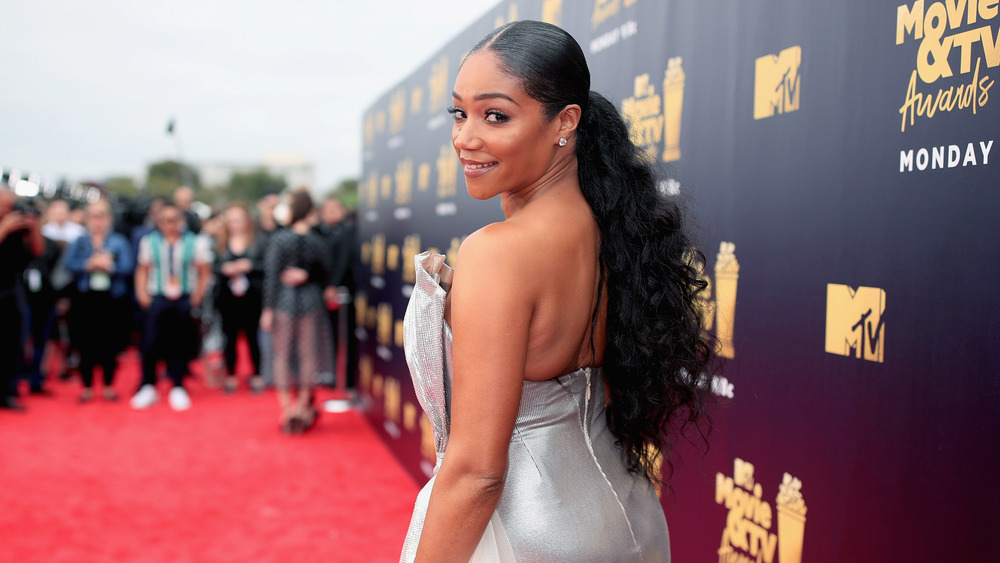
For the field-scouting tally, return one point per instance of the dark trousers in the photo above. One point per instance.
(41, 310)
(240, 314)
(11, 352)
(169, 333)
(345, 314)
(102, 323)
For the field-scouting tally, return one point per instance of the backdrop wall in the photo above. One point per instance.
(840, 161)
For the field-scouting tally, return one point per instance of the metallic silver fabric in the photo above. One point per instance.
(567, 496)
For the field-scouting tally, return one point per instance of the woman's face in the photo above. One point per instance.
(500, 133)
(236, 221)
(98, 219)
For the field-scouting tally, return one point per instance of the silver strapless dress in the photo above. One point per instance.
(567, 496)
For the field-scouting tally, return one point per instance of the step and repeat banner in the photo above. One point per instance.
(841, 166)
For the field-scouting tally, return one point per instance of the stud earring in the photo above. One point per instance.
(562, 141)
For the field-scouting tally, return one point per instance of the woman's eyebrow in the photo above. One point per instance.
(487, 96)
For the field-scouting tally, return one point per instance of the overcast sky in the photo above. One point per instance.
(87, 88)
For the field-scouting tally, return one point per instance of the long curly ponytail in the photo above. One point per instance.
(657, 356)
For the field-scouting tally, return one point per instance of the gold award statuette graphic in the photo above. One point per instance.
(411, 247)
(378, 254)
(404, 182)
(720, 313)
(791, 520)
(397, 111)
(437, 86)
(447, 168)
(384, 328)
(393, 399)
(776, 86)
(727, 274)
(855, 322)
(552, 11)
(673, 108)
(366, 368)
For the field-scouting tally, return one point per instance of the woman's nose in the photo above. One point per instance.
(466, 137)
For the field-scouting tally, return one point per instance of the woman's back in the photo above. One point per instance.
(555, 242)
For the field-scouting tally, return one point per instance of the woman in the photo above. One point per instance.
(575, 348)
(101, 262)
(239, 281)
(296, 275)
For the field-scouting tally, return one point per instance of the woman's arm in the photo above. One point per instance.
(490, 317)
(124, 264)
(76, 255)
(272, 273)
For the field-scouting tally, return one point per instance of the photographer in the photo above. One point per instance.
(20, 239)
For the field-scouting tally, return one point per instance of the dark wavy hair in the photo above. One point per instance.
(657, 358)
(301, 204)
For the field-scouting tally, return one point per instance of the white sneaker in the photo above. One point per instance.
(145, 398)
(178, 399)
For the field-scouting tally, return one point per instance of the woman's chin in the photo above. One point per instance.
(480, 194)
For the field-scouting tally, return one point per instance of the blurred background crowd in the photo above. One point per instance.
(86, 272)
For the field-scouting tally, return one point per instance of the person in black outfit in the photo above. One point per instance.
(337, 229)
(297, 270)
(41, 296)
(264, 228)
(20, 239)
(239, 280)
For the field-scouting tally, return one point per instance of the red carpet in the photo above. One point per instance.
(101, 482)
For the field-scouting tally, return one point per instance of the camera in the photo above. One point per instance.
(26, 207)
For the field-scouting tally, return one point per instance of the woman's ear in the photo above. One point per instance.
(569, 119)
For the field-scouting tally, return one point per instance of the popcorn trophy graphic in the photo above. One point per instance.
(673, 107)
(727, 273)
(791, 520)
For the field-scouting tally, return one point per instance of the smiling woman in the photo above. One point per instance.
(570, 330)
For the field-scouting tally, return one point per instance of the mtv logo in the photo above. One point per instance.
(777, 83)
(855, 322)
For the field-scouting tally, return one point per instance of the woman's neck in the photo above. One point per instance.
(237, 243)
(560, 178)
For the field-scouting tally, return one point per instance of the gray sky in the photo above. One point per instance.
(87, 88)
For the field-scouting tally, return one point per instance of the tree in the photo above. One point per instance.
(122, 185)
(251, 186)
(347, 192)
(163, 177)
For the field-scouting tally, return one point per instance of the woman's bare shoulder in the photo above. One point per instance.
(496, 241)
(498, 254)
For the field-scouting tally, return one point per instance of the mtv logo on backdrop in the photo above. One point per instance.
(855, 322)
(777, 79)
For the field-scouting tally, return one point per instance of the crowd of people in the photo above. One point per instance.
(84, 281)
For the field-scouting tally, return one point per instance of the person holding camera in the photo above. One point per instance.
(20, 239)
